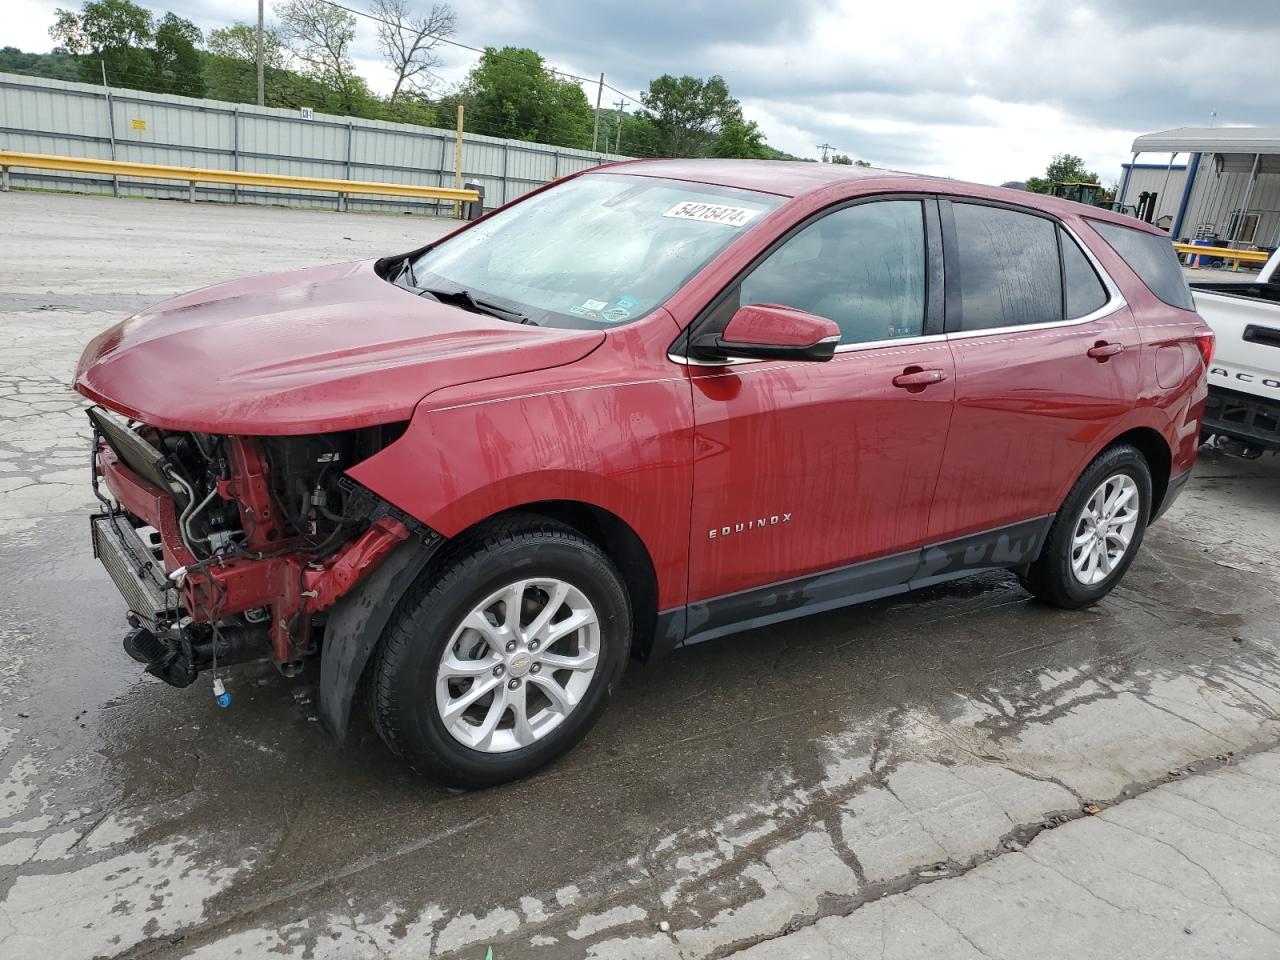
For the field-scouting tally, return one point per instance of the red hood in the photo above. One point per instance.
(312, 351)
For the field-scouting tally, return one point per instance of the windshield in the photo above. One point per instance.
(596, 251)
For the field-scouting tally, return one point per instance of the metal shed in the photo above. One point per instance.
(1231, 188)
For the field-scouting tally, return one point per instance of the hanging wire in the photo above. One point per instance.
(482, 50)
(144, 79)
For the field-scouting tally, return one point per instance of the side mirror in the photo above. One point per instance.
(767, 331)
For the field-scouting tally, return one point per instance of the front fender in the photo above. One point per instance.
(618, 441)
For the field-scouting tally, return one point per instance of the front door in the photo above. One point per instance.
(802, 468)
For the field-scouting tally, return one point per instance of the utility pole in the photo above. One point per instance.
(824, 147)
(111, 125)
(617, 146)
(457, 164)
(595, 131)
(261, 88)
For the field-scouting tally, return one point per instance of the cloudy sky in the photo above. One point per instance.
(986, 90)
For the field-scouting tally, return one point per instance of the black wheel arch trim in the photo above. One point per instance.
(357, 622)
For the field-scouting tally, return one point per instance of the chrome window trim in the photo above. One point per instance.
(889, 341)
(1105, 310)
(1115, 302)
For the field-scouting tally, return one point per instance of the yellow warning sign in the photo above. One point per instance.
(138, 124)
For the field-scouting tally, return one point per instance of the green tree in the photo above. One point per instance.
(1063, 168)
(412, 107)
(239, 42)
(511, 93)
(689, 114)
(176, 62)
(58, 65)
(640, 137)
(230, 66)
(319, 37)
(230, 69)
(111, 33)
(740, 139)
(842, 159)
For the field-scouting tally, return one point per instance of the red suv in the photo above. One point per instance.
(642, 407)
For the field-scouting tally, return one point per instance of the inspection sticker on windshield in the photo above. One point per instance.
(711, 213)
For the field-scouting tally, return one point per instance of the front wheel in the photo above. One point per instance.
(504, 659)
(1096, 533)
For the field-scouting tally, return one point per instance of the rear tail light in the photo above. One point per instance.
(1204, 343)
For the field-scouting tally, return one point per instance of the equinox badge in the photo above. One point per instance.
(727, 531)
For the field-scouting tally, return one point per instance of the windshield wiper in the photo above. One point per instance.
(406, 266)
(464, 298)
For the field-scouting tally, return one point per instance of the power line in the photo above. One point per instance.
(480, 50)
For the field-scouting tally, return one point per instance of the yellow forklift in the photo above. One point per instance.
(1087, 193)
(1093, 195)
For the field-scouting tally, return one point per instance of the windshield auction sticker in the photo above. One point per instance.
(711, 213)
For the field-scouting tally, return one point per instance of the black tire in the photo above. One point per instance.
(403, 681)
(1051, 577)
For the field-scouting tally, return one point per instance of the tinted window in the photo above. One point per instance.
(1085, 292)
(1152, 258)
(862, 267)
(1009, 271)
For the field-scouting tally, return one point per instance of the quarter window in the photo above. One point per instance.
(862, 267)
(1009, 269)
(1152, 258)
(1085, 292)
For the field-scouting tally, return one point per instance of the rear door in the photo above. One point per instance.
(802, 467)
(1047, 359)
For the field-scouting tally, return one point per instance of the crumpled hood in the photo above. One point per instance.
(311, 351)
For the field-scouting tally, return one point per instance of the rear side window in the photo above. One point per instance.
(1084, 291)
(1152, 258)
(1009, 269)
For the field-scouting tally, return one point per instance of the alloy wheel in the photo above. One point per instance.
(518, 665)
(1105, 528)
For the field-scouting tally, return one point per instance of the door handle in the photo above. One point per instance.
(1101, 350)
(918, 377)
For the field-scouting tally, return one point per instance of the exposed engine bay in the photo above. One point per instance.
(230, 548)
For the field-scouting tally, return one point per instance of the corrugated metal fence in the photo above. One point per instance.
(81, 120)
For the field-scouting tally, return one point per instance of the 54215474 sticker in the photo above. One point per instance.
(712, 213)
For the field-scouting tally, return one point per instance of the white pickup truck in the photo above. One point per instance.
(1243, 412)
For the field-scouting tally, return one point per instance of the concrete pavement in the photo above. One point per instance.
(752, 794)
(1190, 869)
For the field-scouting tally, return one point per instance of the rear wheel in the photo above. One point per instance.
(1096, 533)
(502, 660)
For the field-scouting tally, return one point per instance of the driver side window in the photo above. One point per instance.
(862, 266)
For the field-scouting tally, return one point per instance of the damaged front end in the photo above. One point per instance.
(231, 548)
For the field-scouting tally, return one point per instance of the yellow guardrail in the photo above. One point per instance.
(1224, 253)
(244, 178)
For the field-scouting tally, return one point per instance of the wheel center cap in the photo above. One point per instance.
(519, 664)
